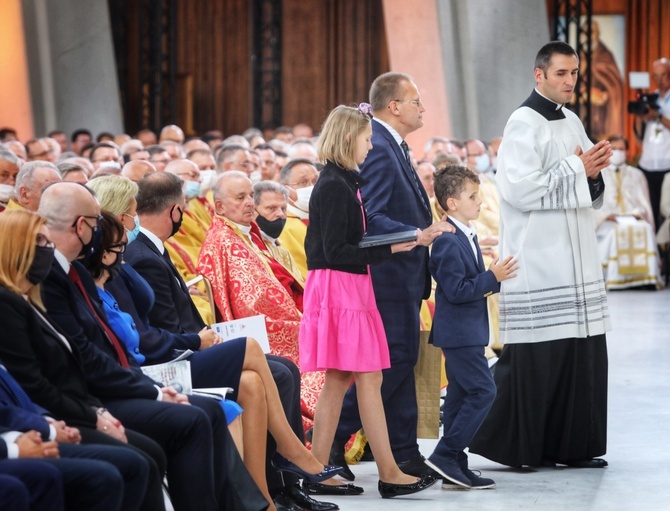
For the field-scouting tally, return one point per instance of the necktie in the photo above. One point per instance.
(478, 255)
(74, 277)
(419, 186)
(175, 273)
(21, 397)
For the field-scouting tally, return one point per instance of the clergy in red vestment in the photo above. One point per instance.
(242, 279)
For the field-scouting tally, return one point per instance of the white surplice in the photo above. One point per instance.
(546, 222)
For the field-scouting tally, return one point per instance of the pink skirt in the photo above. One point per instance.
(341, 327)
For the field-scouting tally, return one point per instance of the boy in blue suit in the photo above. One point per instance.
(461, 326)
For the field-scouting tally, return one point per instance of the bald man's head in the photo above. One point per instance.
(137, 169)
(172, 132)
(62, 203)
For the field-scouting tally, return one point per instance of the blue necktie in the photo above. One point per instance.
(16, 390)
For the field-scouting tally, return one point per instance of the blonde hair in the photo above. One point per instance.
(18, 230)
(114, 193)
(337, 142)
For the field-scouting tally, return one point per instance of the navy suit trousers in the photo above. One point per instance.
(30, 485)
(470, 394)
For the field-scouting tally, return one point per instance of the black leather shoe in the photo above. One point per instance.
(326, 489)
(283, 503)
(592, 463)
(280, 463)
(416, 467)
(295, 494)
(390, 490)
(337, 459)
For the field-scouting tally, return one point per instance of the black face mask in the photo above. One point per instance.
(41, 266)
(87, 249)
(114, 268)
(176, 225)
(271, 228)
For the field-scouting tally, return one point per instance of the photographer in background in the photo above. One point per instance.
(653, 129)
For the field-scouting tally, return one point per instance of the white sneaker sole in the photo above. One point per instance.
(452, 486)
(443, 474)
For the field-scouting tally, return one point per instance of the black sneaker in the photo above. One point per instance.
(477, 482)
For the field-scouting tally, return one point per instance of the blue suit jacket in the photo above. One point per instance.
(135, 296)
(15, 418)
(67, 308)
(393, 202)
(461, 316)
(173, 309)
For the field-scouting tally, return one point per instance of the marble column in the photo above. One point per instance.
(489, 49)
(72, 67)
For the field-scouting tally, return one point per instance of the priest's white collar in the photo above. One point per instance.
(558, 106)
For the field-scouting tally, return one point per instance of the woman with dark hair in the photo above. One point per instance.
(47, 365)
(240, 364)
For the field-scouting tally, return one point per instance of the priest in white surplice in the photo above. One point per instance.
(625, 225)
(551, 405)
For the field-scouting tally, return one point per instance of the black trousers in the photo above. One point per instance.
(155, 460)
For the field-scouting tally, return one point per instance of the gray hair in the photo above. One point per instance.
(66, 167)
(225, 176)
(432, 141)
(10, 157)
(268, 187)
(25, 175)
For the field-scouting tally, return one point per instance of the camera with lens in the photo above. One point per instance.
(643, 102)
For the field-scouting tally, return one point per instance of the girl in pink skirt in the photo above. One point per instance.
(341, 330)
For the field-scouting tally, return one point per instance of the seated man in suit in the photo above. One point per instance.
(200, 451)
(160, 202)
(94, 476)
(29, 485)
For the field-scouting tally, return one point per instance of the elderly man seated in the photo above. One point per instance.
(29, 183)
(242, 279)
(625, 225)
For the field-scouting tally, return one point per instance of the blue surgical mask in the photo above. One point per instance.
(192, 190)
(482, 163)
(132, 235)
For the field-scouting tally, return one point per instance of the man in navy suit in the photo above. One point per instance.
(461, 326)
(88, 483)
(201, 455)
(160, 204)
(396, 201)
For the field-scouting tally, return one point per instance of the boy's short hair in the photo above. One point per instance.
(450, 182)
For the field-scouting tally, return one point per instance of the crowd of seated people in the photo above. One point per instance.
(111, 237)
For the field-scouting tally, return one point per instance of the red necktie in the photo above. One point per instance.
(74, 277)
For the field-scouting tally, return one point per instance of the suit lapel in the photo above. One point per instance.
(408, 170)
(465, 242)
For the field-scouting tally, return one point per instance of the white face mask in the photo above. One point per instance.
(112, 165)
(304, 194)
(618, 157)
(482, 162)
(6, 192)
(207, 178)
(255, 176)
